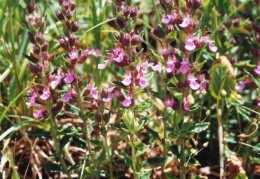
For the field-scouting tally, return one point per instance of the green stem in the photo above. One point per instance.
(85, 125)
(134, 160)
(109, 157)
(56, 139)
(183, 158)
(220, 139)
(164, 147)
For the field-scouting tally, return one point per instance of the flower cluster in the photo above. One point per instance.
(75, 54)
(42, 92)
(124, 56)
(175, 20)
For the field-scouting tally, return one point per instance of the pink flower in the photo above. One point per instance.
(185, 67)
(193, 82)
(242, 84)
(95, 53)
(155, 67)
(167, 18)
(169, 102)
(109, 92)
(212, 47)
(127, 101)
(186, 105)
(170, 65)
(103, 65)
(185, 22)
(257, 70)
(73, 55)
(68, 96)
(93, 90)
(46, 94)
(141, 80)
(117, 55)
(127, 78)
(32, 98)
(203, 82)
(69, 77)
(39, 113)
(189, 44)
(56, 79)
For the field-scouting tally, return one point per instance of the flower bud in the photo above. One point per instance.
(75, 26)
(72, 5)
(207, 112)
(126, 39)
(69, 14)
(72, 39)
(136, 39)
(36, 49)
(39, 38)
(157, 32)
(133, 12)
(66, 4)
(126, 11)
(31, 7)
(45, 47)
(59, 15)
(63, 43)
(60, 2)
(98, 117)
(223, 92)
(106, 117)
(31, 37)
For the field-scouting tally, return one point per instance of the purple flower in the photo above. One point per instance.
(56, 79)
(32, 98)
(109, 92)
(69, 77)
(73, 55)
(167, 18)
(127, 78)
(46, 94)
(68, 96)
(39, 113)
(257, 70)
(95, 53)
(203, 82)
(170, 65)
(128, 99)
(155, 67)
(189, 44)
(185, 67)
(193, 82)
(103, 65)
(242, 84)
(169, 102)
(186, 105)
(117, 55)
(186, 21)
(212, 47)
(141, 80)
(93, 90)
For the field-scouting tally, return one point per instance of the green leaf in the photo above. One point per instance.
(6, 72)
(156, 161)
(221, 78)
(52, 167)
(146, 175)
(199, 127)
(129, 120)
(141, 149)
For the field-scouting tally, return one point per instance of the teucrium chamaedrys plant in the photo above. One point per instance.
(131, 85)
(182, 76)
(43, 95)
